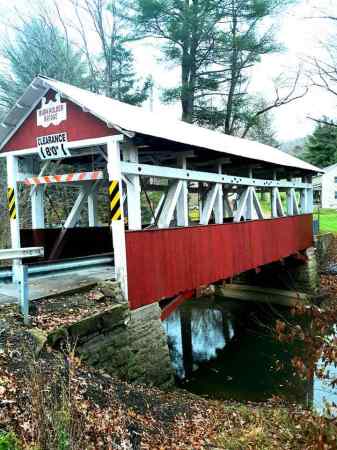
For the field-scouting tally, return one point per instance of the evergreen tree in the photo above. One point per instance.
(38, 48)
(321, 147)
(215, 43)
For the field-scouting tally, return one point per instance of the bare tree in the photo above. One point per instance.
(110, 62)
(280, 99)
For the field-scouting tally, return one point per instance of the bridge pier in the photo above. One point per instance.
(298, 273)
(306, 276)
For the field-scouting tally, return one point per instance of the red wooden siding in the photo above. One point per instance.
(79, 125)
(163, 263)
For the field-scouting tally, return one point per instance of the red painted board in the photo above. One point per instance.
(79, 125)
(164, 263)
(175, 303)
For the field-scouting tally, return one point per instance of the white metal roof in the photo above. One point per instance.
(127, 118)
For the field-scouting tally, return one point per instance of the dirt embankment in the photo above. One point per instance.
(50, 400)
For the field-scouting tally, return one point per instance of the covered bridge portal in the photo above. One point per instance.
(182, 203)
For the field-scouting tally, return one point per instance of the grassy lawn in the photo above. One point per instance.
(328, 220)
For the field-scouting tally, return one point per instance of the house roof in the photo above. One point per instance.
(328, 168)
(132, 120)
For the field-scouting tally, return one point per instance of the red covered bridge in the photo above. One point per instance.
(176, 206)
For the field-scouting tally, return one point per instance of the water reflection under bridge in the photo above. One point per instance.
(226, 350)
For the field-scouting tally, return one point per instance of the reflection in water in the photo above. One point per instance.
(195, 336)
(226, 350)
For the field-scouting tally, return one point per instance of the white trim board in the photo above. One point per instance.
(192, 175)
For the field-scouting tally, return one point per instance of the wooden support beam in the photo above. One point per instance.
(276, 207)
(256, 204)
(175, 303)
(242, 205)
(133, 188)
(228, 210)
(292, 205)
(158, 208)
(170, 204)
(92, 208)
(37, 203)
(182, 203)
(219, 202)
(192, 175)
(209, 204)
(117, 222)
(262, 295)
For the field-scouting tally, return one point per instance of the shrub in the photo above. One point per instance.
(8, 441)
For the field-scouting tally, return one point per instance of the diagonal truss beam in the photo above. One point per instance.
(209, 204)
(73, 217)
(249, 207)
(292, 205)
(170, 204)
(276, 204)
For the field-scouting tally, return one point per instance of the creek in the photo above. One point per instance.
(225, 349)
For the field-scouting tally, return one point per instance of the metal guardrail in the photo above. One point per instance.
(36, 269)
(20, 273)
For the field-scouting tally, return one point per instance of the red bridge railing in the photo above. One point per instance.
(162, 263)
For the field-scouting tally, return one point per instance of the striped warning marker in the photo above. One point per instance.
(11, 203)
(115, 200)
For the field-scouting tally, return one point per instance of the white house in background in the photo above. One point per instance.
(325, 188)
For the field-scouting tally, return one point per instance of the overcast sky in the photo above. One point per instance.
(301, 37)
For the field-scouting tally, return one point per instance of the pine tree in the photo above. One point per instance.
(321, 146)
(215, 43)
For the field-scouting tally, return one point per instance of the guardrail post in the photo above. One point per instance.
(23, 292)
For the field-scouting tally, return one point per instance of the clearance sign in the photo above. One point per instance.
(53, 146)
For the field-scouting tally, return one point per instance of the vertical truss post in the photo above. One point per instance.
(219, 201)
(92, 208)
(276, 203)
(228, 211)
(304, 203)
(200, 200)
(310, 195)
(182, 203)
(249, 214)
(37, 202)
(117, 216)
(13, 208)
(292, 206)
(133, 189)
